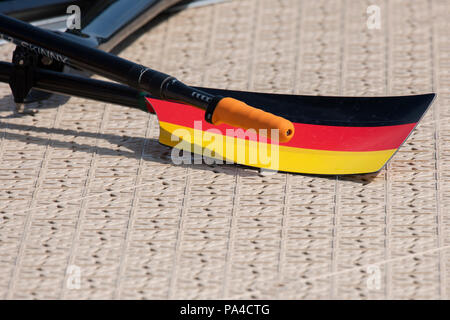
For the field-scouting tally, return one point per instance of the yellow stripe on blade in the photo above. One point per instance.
(212, 144)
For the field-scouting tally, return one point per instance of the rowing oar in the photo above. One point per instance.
(218, 109)
(333, 135)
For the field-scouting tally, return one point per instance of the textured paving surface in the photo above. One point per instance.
(86, 184)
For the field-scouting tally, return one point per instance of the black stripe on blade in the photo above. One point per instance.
(337, 111)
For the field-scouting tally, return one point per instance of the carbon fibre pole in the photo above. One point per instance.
(218, 109)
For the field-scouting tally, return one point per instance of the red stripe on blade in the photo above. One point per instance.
(307, 136)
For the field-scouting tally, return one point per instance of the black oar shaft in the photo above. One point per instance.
(85, 57)
(73, 85)
(218, 110)
(137, 76)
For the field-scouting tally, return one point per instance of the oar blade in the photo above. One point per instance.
(333, 135)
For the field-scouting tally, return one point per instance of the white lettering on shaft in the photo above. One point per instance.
(200, 96)
(36, 49)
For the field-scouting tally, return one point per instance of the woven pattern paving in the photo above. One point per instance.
(86, 186)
